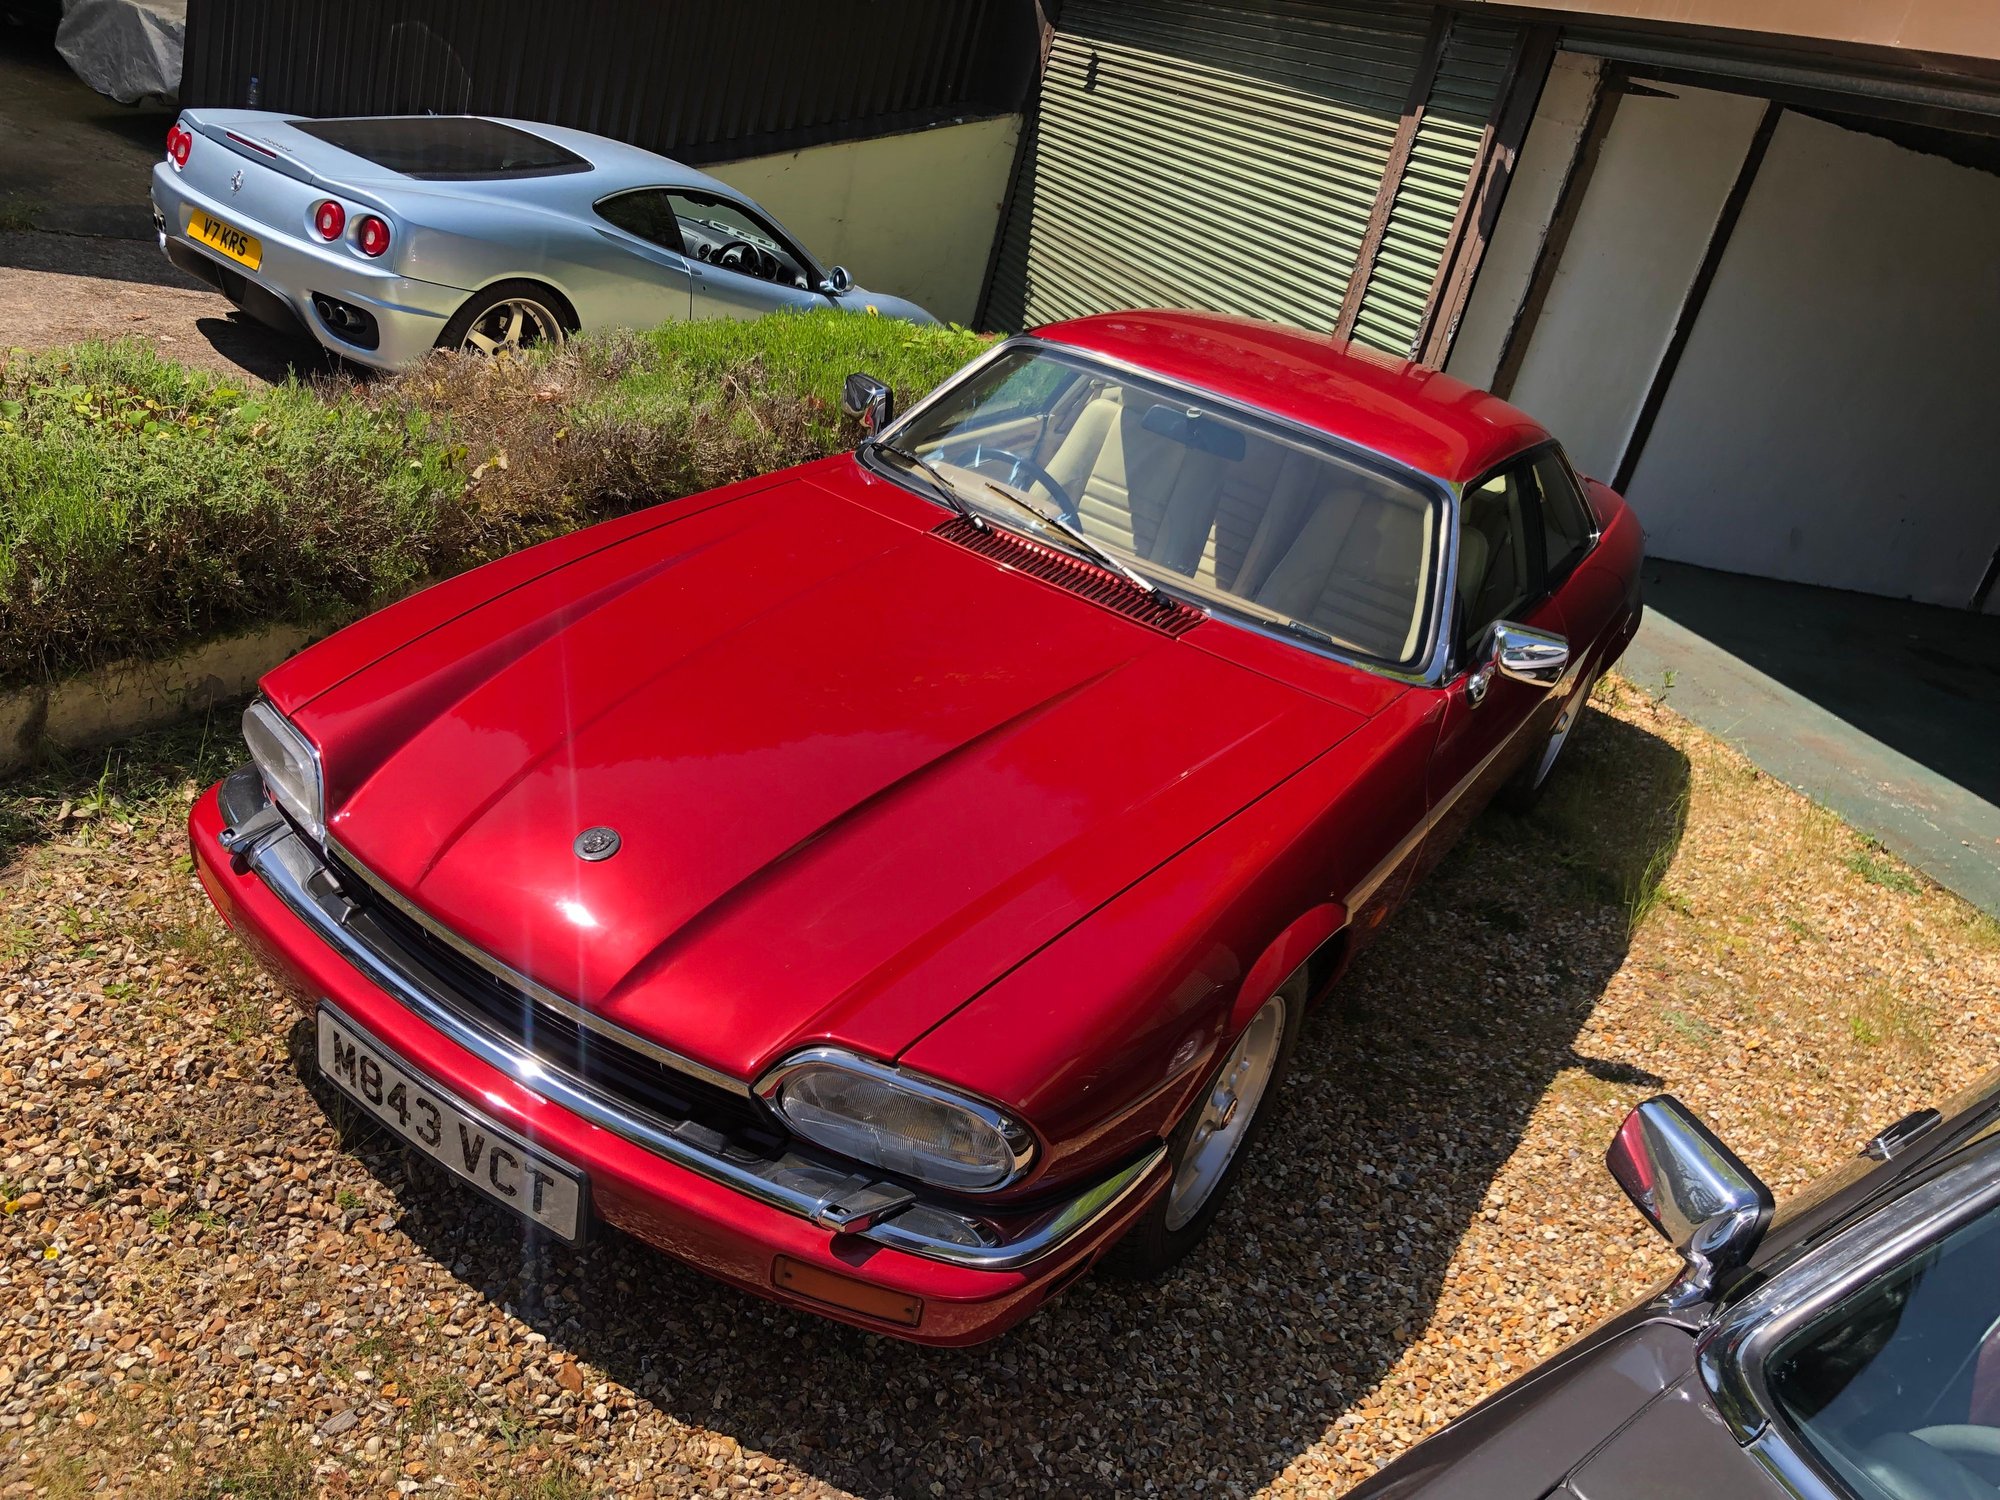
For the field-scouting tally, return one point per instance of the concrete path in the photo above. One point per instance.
(1886, 712)
(78, 257)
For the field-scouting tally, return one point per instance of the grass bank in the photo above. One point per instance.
(145, 506)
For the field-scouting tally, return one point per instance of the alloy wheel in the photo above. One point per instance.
(513, 324)
(1227, 1112)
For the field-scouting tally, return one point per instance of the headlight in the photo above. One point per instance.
(288, 763)
(898, 1121)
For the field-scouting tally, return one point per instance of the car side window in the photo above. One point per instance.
(1566, 523)
(722, 232)
(648, 213)
(1496, 572)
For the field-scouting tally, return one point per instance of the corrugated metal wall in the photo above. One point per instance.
(1463, 98)
(1193, 154)
(1230, 154)
(693, 78)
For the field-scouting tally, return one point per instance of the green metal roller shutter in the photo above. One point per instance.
(1198, 154)
(1462, 100)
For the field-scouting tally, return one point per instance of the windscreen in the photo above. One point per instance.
(1253, 519)
(446, 148)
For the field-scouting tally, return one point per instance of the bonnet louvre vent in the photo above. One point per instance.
(1086, 579)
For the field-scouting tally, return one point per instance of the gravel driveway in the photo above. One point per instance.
(208, 1288)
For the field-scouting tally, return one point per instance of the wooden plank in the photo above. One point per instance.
(1486, 194)
(1392, 175)
(1697, 294)
(1569, 203)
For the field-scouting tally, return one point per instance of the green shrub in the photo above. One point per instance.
(145, 506)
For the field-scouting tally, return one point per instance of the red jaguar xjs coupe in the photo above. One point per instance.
(895, 884)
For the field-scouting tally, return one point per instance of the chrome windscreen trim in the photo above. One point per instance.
(795, 1184)
(515, 980)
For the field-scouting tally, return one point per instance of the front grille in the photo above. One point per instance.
(1052, 565)
(619, 1071)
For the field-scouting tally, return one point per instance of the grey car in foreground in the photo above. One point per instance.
(1844, 1348)
(386, 236)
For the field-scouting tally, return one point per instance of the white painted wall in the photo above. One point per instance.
(1516, 243)
(1831, 421)
(1653, 200)
(912, 215)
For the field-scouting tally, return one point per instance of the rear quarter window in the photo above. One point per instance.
(435, 148)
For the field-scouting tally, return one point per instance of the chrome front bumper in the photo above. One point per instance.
(839, 1199)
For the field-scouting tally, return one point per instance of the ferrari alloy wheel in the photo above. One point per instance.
(1214, 1139)
(510, 326)
(508, 318)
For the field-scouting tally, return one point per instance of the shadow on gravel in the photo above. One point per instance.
(1412, 1088)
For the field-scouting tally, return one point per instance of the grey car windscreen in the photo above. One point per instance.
(1897, 1385)
(436, 148)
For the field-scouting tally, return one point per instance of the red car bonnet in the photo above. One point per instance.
(857, 771)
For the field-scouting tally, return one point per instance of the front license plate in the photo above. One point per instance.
(496, 1161)
(228, 239)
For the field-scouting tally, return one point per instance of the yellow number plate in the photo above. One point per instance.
(227, 238)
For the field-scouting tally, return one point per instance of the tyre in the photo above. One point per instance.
(1520, 795)
(1215, 1138)
(507, 318)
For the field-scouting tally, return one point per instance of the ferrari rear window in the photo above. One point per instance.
(446, 148)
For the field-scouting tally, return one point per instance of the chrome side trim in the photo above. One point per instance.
(829, 1196)
(516, 980)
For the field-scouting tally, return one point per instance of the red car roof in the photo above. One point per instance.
(1419, 416)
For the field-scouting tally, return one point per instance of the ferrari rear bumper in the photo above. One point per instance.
(299, 284)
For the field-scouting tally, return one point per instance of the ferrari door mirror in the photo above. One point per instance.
(837, 281)
(1691, 1188)
(868, 401)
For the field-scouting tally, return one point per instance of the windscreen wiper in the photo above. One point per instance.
(930, 472)
(1055, 522)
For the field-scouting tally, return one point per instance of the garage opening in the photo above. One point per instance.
(1771, 320)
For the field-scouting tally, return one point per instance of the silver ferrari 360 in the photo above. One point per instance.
(385, 237)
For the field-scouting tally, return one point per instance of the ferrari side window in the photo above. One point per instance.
(648, 213)
(727, 235)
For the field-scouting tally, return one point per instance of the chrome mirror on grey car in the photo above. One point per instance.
(868, 401)
(837, 281)
(1691, 1188)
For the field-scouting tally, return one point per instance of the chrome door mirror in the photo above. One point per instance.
(1536, 657)
(837, 281)
(1691, 1188)
(868, 401)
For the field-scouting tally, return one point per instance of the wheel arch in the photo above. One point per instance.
(1316, 939)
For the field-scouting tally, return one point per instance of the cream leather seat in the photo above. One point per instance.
(1354, 571)
(1264, 502)
(1136, 490)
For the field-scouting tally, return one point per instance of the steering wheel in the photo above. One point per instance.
(749, 259)
(1018, 466)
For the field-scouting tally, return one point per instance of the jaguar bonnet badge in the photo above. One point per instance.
(596, 843)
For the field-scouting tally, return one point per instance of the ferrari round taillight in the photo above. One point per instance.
(329, 219)
(372, 235)
(179, 144)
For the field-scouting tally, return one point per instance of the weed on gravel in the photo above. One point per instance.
(216, 1281)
